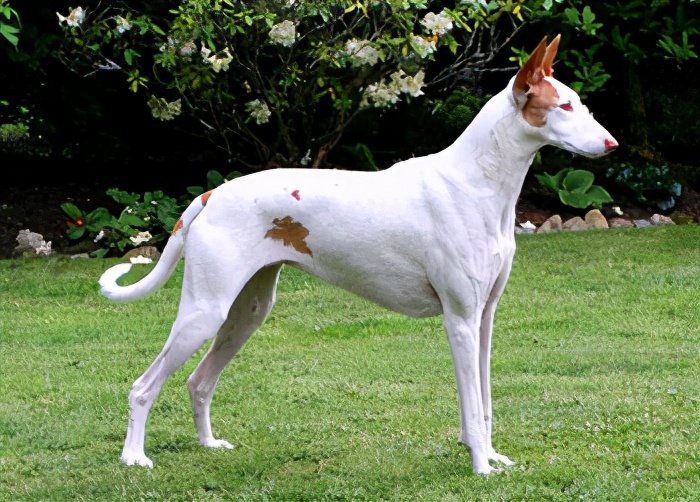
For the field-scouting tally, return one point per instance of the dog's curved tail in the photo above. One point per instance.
(164, 267)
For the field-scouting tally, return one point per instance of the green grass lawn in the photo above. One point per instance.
(596, 386)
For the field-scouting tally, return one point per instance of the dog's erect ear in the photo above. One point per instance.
(531, 73)
(549, 56)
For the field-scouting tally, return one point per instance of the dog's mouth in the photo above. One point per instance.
(589, 154)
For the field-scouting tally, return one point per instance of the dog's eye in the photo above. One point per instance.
(566, 107)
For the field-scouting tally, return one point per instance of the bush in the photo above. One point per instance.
(652, 185)
(270, 81)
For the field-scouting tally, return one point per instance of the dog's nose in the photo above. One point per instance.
(610, 145)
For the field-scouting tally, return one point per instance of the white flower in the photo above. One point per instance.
(382, 94)
(122, 25)
(140, 238)
(205, 52)
(154, 202)
(99, 236)
(361, 52)
(219, 63)
(409, 85)
(259, 111)
(423, 47)
(618, 210)
(74, 19)
(140, 259)
(438, 24)
(283, 33)
(306, 158)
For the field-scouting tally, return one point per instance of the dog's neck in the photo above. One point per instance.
(497, 149)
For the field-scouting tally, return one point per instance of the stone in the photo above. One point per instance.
(595, 219)
(659, 219)
(575, 224)
(620, 223)
(145, 251)
(642, 223)
(31, 244)
(552, 224)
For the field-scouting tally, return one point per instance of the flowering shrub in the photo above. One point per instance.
(270, 81)
(148, 221)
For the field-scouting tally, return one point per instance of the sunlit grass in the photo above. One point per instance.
(596, 385)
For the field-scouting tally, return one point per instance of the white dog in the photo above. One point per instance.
(429, 236)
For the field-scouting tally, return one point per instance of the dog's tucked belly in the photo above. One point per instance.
(401, 290)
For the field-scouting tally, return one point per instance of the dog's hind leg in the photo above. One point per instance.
(248, 312)
(188, 334)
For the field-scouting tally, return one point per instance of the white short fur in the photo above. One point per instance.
(428, 236)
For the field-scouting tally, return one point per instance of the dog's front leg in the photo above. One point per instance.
(486, 332)
(463, 336)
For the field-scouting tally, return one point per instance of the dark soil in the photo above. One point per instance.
(38, 209)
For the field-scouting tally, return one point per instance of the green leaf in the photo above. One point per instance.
(574, 199)
(8, 32)
(72, 211)
(75, 232)
(214, 179)
(578, 180)
(598, 196)
(99, 219)
(131, 220)
(122, 197)
(195, 190)
(553, 182)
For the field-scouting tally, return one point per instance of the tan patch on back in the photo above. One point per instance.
(205, 197)
(177, 227)
(291, 233)
(541, 98)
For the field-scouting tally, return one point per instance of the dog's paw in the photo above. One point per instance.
(217, 443)
(486, 470)
(137, 459)
(502, 459)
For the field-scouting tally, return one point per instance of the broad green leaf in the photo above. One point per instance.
(72, 211)
(578, 180)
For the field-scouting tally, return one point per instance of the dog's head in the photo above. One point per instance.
(554, 109)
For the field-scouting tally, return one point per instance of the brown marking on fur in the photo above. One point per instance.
(541, 98)
(291, 233)
(205, 197)
(177, 227)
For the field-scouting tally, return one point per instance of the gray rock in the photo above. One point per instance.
(659, 219)
(575, 224)
(31, 244)
(620, 223)
(642, 223)
(595, 219)
(552, 224)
